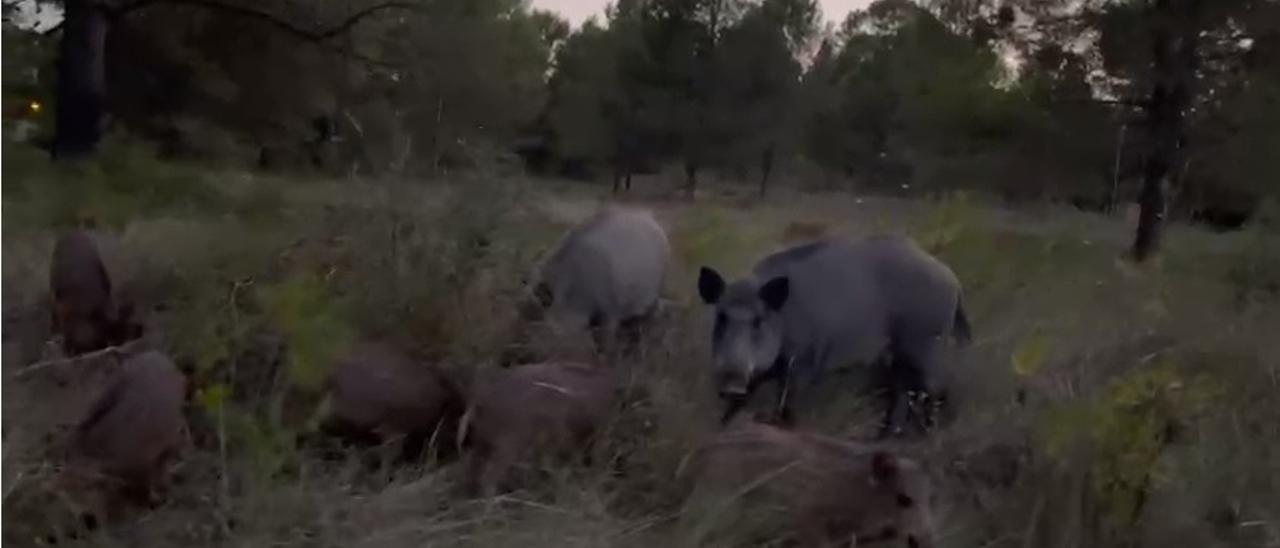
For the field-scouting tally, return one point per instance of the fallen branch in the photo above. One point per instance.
(119, 350)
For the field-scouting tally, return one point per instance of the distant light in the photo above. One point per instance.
(35, 106)
(905, 186)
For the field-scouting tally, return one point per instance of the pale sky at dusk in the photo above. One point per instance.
(576, 11)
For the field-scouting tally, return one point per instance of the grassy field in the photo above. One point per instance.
(1102, 403)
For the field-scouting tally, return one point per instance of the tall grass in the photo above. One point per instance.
(1102, 403)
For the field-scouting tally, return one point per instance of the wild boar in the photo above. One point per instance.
(533, 412)
(819, 491)
(377, 392)
(606, 275)
(84, 310)
(133, 431)
(832, 303)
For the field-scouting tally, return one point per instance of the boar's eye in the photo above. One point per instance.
(755, 323)
(905, 501)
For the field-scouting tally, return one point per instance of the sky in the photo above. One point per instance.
(576, 11)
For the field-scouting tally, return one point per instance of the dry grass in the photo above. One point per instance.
(1102, 404)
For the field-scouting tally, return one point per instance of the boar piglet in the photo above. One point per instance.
(134, 429)
(85, 312)
(379, 393)
(530, 413)
(754, 479)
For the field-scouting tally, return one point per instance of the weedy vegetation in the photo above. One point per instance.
(1102, 404)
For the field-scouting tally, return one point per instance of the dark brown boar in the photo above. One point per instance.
(133, 430)
(533, 412)
(379, 393)
(818, 490)
(85, 312)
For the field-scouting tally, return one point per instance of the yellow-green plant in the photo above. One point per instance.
(1125, 432)
(301, 309)
(952, 215)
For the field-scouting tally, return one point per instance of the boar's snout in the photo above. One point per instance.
(732, 386)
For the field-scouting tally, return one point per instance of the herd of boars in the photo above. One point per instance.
(800, 313)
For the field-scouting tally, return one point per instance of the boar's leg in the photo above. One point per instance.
(604, 334)
(413, 445)
(912, 382)
(631, 333)
(489, 467)
(438, 441)
(349, 432)
(926, 355)
(795, 377)
(899, 402)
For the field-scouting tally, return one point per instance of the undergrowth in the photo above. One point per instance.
(1101, 404)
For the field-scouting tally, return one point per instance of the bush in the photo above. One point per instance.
(124, 181)
(1254, 268)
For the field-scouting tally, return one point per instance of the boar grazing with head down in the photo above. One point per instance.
(378, 393)
(833, 303)
(605, 275)
(754, 479)
(530, 413)
(133, 430)
(85, 312)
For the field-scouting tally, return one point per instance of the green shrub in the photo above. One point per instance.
(1125, 433)
(313, 330)
(1254, 268)
(124, 181)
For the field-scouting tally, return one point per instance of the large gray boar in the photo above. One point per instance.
(84, 310)
(754, 479)
(533, 412)
(133, 430)
(606, 274)
(835, 302)
(379, 393)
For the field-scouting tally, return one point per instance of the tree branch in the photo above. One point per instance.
(125, 349)
(271, 19)
(1097, 101)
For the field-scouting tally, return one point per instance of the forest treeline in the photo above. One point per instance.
(1025, 99)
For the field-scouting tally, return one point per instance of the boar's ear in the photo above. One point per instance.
(774, 292)
(127, 326)
(710, 285)
(884, 466)
(542, 292)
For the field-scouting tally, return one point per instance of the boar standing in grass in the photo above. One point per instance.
(85, 312)
(757, 479)
(606, 275)
(835, 302)
(530, 413)
(377, 393)
(133, 431)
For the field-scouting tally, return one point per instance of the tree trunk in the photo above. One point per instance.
(435, 137)
(81, 85)
(690, 178)
(766, 168)
(1174, 49)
